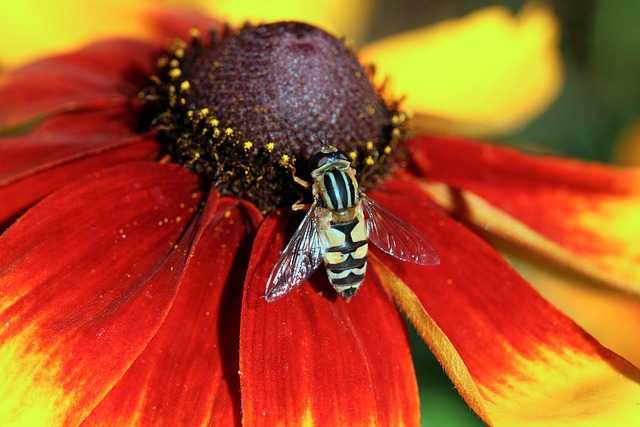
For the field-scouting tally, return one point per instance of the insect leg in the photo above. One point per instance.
(297, 206)
(302, 182)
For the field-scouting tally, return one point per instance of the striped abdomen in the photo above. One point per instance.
(345, 257)
(342, 229)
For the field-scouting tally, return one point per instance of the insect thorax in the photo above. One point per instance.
(337, 189)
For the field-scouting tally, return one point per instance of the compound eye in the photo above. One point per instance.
(317, 160)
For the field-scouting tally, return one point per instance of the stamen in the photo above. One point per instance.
(244, 109)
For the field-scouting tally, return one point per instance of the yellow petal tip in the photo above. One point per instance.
(490, 71)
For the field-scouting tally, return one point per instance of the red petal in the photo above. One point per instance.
(86, 278)
(63, 137)
(188, 375)
(62, 149)
(524, 359)
(582, 215)
(173, 22)
(310, 358)
(101, 75)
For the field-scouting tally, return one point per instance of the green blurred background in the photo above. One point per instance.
(597, 108)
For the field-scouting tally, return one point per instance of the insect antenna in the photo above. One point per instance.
(324, 141)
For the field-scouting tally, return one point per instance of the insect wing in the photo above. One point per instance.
(299, 260)
(396, 237)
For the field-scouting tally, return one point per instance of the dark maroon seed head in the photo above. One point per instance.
(253, 105)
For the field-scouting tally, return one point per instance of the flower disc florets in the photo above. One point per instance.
(248, 107)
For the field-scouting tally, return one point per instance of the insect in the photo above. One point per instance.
(337, 229)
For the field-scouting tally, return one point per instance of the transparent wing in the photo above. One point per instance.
(396, 237)
(299, 259)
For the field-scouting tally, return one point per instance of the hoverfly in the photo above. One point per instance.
(337, 228)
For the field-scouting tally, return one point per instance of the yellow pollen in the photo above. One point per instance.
(178, 43)
(203, 112)
(285, 158)
(270, 146)
(174, 73)
(179, 52)
(194, 33)
(214, 122)
(185, 86)
(228, 131)
(369, 145)
(353, 155)
(395, 133)
(248, 145)
(369, 161)
(174, 63)
(162, 61)
(387, 150)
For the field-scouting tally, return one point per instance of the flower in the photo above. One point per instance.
(126, 280)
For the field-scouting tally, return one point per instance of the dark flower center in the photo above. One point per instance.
(249, 107)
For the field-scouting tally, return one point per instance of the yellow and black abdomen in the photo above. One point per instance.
(342, 229)
(345, 257)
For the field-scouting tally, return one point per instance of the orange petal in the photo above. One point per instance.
(311, 358)
(489, 72)
(513, 356)
(86, 278)
(627, 149)
(613, 318)
(582, 215)
(188, 374)
(90, 78)
(104, 74)
(67, 25)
